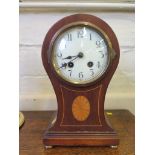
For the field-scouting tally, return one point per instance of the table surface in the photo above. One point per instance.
(36, 123)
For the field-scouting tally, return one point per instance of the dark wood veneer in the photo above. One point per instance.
(66, 130)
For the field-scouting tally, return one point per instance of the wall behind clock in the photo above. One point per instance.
(36, 92)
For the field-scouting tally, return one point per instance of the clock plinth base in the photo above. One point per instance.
(80, 139)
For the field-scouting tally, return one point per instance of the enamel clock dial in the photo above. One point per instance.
(80, 54)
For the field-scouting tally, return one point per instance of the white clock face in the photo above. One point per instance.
(80, 55)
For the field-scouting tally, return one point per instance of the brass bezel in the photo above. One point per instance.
(111, 51)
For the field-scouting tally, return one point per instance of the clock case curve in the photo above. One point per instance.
(66, 130)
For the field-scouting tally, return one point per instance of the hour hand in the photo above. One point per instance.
(69, 57)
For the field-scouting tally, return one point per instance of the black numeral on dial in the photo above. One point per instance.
(90, 37)
(99, 43)
(98, 64)
(92, 72)
(102, 54)
(70, 72)
(80, 34)
(69, 37)
(59, 55)
(81, 75)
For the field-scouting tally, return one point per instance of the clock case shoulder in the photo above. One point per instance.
(64, 127)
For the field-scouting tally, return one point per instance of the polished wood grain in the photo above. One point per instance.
(36, 122)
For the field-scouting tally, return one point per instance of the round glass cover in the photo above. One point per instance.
(80, 54)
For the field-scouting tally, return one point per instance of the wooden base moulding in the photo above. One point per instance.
(106, 136)
(80, 139)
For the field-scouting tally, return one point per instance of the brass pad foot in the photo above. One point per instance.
(48, 147)
(114, 146)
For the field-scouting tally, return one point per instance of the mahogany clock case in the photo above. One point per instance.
(66, 130)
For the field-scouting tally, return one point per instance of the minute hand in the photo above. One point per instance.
(73, 59)
(80, 55)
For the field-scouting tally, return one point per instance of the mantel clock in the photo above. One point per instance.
(80, 54)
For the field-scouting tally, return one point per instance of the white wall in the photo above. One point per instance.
(36, 92)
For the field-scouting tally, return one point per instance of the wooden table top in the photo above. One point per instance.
(36, 123)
